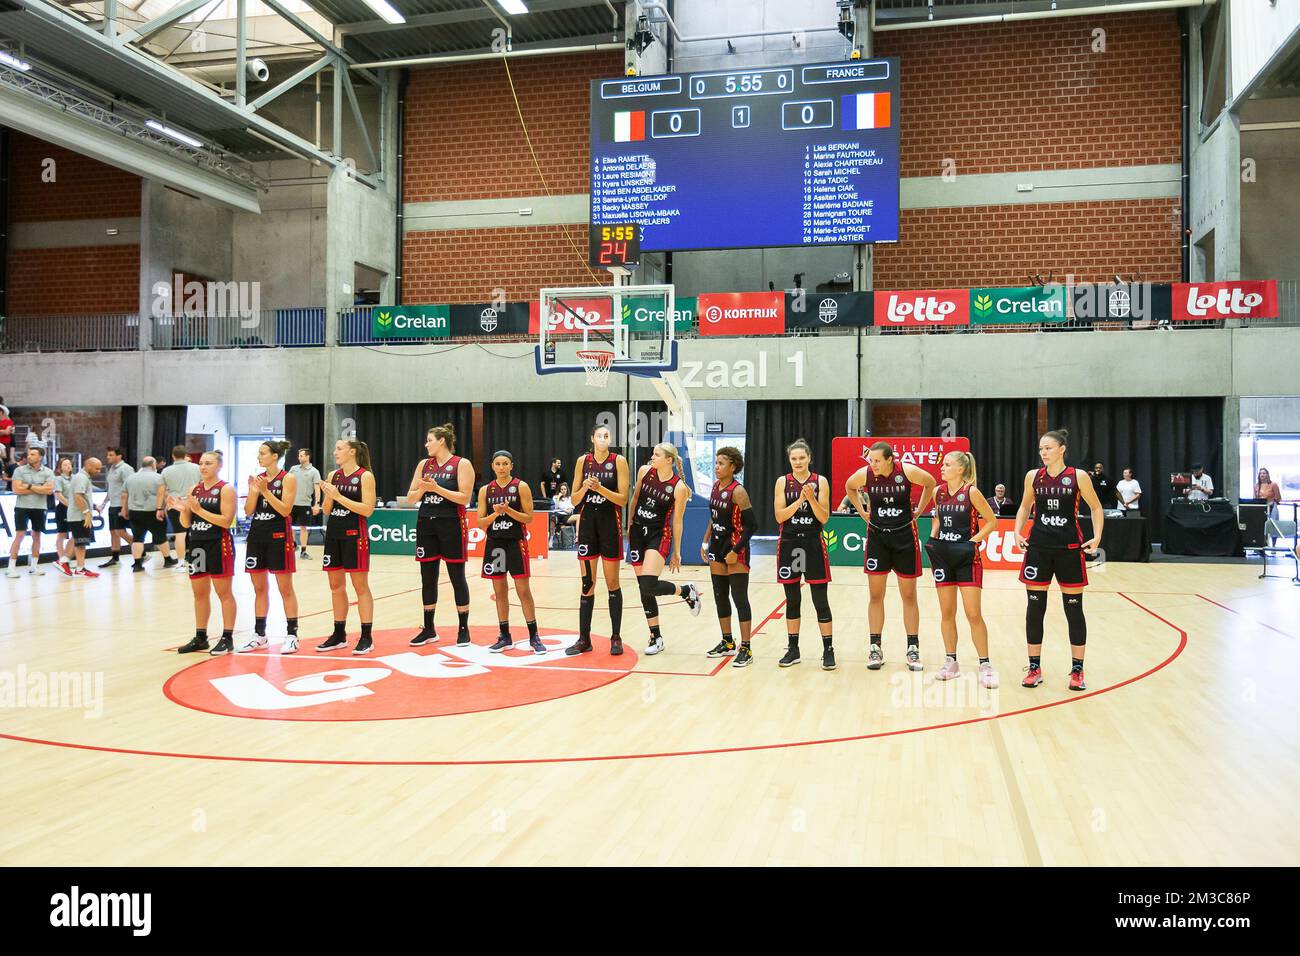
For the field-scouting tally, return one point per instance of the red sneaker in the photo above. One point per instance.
(63, 567)
(1076, 680)
(1033, 677)
(87, 573)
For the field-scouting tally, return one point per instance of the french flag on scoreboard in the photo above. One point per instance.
(629, 126)
(865, 111)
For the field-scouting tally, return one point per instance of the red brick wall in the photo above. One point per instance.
(85, 430)
(81, 279)
(1033, 95)
(83, 188)
(898, 421)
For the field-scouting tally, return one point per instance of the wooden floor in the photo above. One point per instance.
(1182, 752)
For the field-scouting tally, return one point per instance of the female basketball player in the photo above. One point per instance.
(505, 509)
(1055, 548)
(270, 549)
(348, 493)
(208, 513)
(802, 501)
(726, 548)
(600, 480)
(954, 550)
(444, 483)
(892, 542)
(62, 495)
(660, 491)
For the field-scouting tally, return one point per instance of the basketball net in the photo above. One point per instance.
(597, 363)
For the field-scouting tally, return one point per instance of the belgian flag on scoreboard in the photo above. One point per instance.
(629, 126)
(864, 111)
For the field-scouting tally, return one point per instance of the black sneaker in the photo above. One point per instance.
(724, 649)
(616, 646)
(333, 643)
(427, 635)
(224, 646)
(537, 646)
(109, 563)
(462, 638)
(195, 645)
(306, 554)
(581, 646)
(791, 656)
(743, 657)
(364, 645)
(828, 659)
(502, 644)
(170, 562)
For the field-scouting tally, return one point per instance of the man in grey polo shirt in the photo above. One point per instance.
(306, 500)
(179, 479)
(145, 493)
(32, 483)
(118, 530)
(80, 506)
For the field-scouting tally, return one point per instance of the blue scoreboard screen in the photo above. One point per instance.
(777, 156)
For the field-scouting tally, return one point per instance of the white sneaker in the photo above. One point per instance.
(35, 569)
(289, 645)
(13, 572)
(655, 646)
(183, 567)
(254, 643)
(693, 599)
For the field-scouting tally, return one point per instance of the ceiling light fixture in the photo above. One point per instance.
(174, 134)
(386, 10)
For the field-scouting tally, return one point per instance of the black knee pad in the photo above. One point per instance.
(740, 595)
(1078, 624)
(821, 601)
(1035, 611)
(459, 586)
(588, 578)
(793, 602)
(722, 595)
(429, 582)
(647, 583)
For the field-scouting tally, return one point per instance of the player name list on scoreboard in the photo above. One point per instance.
(783, 156)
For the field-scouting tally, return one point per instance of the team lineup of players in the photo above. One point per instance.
(443, 483)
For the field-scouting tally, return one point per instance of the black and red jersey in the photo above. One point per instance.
(344, 522)
(803, 523)
(209, 500)
(1056, 510)
(723, 512)
(265, 519)
(890, 499)
(606, 472)
(654, 502)
(432, 504)
(504, 526)
(956, 519)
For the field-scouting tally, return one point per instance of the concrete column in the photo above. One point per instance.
(1229, 483)
(144, 435)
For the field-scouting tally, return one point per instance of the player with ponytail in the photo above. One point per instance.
(270, 549)
(349, 496)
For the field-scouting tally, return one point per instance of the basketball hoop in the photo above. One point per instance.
(597, 363)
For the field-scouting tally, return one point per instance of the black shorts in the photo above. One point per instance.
(1067, 565)
(802, 557)
(80, 533)
(29, 519)
(349, 553)
(441, 539)
(147, 523)
(897, 551)
(502, 556)
(211, 557)
(643, 538)
(116, 522)
(600, 535)
(301, 517)
(955, 563)
(272, 552)
(61, 518)
(718, 547)
(174, 525)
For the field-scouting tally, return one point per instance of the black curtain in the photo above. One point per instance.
(1153, 436)
(1003, 435)
(395, 435)
(769, 427)
(168, 431)
(304, 427)
(535, 433)
(129, 432)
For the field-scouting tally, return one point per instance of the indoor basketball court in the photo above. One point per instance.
(884, 328)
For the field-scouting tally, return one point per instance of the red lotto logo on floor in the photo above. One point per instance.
(395, 680)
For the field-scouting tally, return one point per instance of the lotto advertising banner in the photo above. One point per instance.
(98, 524)
(850, 454)
(845, 537)
(1024, 304)
(922, 308)
(572, 315)
(742, 313)
(410, 321)
(1225, 300)
(392, 531)
(817, 310)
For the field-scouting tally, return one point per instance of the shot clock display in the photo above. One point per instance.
(615, 245)
(780, 156)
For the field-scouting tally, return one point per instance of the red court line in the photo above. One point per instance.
(1182, 645)
(1239, 614)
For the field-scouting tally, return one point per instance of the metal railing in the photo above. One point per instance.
(101, 332)
(267, 328)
